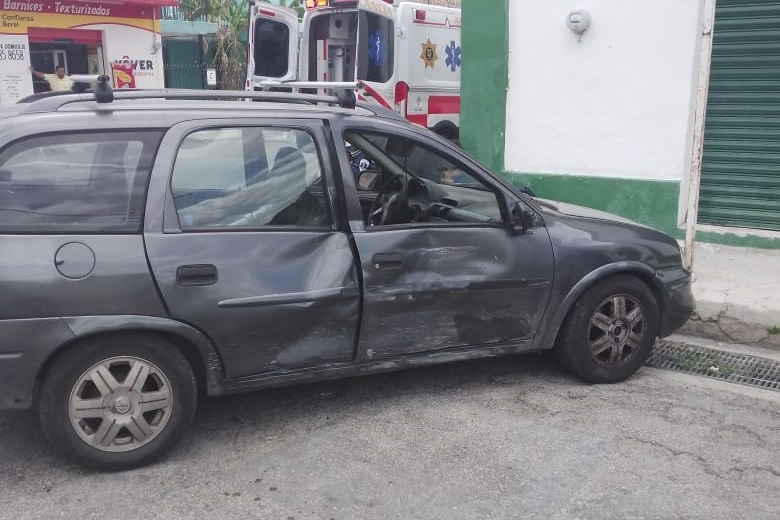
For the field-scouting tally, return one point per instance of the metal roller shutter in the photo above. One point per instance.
(740, 179)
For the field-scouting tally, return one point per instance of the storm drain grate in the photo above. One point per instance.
(726, 366)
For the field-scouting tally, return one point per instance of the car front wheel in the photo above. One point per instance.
(118, 403)
(610, 331)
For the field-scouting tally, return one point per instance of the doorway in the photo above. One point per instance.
(80, 51)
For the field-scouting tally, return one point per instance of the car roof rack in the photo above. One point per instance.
(103, 94)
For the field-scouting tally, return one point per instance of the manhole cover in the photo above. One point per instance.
(726, 366)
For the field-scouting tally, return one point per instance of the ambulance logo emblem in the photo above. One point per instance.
(376, 50)
(453, 60)
(429, 55)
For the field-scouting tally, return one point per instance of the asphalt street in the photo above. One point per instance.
(503, 438)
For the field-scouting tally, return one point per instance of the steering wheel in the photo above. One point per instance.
(391, 199)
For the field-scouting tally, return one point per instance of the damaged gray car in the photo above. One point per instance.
(161, 244)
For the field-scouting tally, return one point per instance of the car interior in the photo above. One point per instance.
(406, 183)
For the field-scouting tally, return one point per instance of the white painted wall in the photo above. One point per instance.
(137, 45)
(616, 104)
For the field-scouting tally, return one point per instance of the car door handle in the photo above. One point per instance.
(195, 275)
(388, 260)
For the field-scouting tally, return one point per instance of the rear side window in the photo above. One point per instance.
(249, 177)
(77, 182)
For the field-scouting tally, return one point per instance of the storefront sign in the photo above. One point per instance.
(15, 79)
(126, 36)
(16, 17)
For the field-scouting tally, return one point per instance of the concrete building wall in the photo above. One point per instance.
(604, 120)
(616, 103)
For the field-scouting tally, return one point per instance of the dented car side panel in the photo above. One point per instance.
(281, 300)
(448, 287)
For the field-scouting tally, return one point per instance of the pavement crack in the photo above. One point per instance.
(706, 466)
(757, 469)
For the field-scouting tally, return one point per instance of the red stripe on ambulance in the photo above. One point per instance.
(420, 119)
(444, 105)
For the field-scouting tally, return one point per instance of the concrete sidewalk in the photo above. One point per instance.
(737, 292)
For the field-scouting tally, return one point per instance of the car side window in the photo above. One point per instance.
(248, 177)
(88, 182)
(432, 187)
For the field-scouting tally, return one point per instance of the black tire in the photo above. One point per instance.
(628, 340)
(156, 397)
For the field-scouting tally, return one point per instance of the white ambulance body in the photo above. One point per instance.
(405, 56)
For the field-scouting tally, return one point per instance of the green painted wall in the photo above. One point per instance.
(484, 78)
(653, 203)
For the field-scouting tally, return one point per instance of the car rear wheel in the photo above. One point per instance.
(118, 403)
(610, 331)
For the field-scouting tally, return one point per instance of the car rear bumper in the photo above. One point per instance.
(678, 303)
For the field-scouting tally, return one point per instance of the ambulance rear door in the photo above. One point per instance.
(376, 59)
(274, 37)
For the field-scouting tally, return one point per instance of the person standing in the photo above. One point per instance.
(57, 81)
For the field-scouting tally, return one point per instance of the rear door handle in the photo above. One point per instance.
(196, 275)
(388, 260)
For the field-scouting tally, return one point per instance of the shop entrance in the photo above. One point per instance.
(80, 51)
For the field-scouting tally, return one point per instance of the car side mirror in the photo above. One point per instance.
(523, 219)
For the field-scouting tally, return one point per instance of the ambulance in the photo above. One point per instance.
(405, 56)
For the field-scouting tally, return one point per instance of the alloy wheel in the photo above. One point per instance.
(120, 404)
(616, 330)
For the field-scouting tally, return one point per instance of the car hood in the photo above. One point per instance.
(601, 237)
(580, 211)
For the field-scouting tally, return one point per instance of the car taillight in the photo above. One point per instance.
(401, 95)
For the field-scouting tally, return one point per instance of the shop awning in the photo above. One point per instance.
(41, 35)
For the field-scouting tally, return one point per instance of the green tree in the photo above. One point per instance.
(232, 19)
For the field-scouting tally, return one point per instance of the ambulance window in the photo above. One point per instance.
(376, 48)
(272, 48)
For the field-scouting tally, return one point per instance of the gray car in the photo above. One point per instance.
(161, 244)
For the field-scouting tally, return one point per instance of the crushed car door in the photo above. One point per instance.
(453, 275)
(243, 246)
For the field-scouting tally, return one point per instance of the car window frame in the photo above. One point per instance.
(166, 219)
(503, 199)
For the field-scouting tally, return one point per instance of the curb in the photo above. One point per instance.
(731, 330)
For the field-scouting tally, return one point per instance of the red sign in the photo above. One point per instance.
(123, 75)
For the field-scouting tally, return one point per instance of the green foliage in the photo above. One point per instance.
(232, 19)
